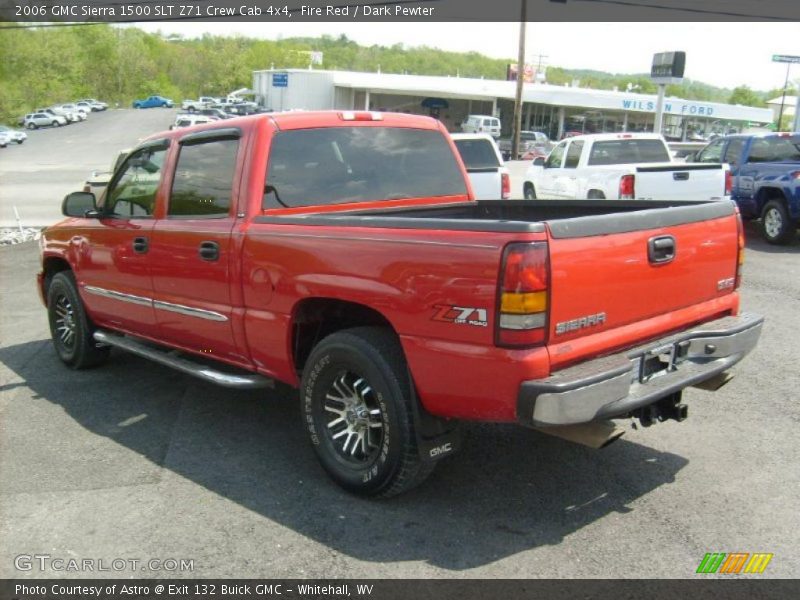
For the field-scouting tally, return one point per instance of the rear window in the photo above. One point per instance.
(477, 154)
(622, 152)
(337, 165)
(775, 149)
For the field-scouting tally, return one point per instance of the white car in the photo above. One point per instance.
(73, 114)
(485, 167)
(188, 120)
(13, 135)
(81, 110)
(481, 124)
(5, 139)
(622, 166)
(42, 119)
(94, 105)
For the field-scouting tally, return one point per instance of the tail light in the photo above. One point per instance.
(626, 184)
(523, 295)
(505, 186)
(728, 183)
(740, 249)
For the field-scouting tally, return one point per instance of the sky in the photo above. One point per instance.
(721, 54)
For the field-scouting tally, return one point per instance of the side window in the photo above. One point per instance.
(487, 123)
(734, 151)
(573, 155)
(203, 181)
(556, 157)
(133, 192)
(711, 153)
(759, 151)
(784, 149)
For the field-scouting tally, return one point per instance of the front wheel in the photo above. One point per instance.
(32, 125)
(358, 413)
(56, 124)
(776, 225)
(529, 191)
(70, 326)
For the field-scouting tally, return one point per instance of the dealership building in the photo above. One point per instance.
(549, 108)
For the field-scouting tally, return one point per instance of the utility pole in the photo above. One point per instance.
(783, 96)
(520, 81)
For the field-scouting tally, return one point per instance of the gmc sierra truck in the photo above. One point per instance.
(766, 179)
(343, 253)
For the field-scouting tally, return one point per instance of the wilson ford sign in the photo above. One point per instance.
(681, 107)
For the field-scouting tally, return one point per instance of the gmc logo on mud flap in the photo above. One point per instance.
(439, 450)
(461, 315)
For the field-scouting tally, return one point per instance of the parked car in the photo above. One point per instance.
(14, 135)
(528, 140)
(43, 119)
(622, 166)
(83, 110)
(73, 115)
(190, 119)
(69, 116)
(153, 102)
(216, 113)
(94, 105)
(5, 139)
(766, 179)
(346, 257)
(481, 124)
(485, 167)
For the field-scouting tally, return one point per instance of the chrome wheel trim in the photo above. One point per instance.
(356, 426)
(773, 222)
(65, 325)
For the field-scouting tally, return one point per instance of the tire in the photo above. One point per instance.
(19, 142)
(32, 125)
(70, 326)
(356, 387)
(56, 124)
(528, 191)
(191, 109)
(776, 225)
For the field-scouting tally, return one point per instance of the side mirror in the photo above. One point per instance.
(80, 204)
(538, 161)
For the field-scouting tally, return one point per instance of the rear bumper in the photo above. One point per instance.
(613, 386)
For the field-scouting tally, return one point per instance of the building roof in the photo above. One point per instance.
(489, 89)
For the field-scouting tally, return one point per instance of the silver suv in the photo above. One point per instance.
(42, 119)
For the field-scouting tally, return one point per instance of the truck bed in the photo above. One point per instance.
(564, 218)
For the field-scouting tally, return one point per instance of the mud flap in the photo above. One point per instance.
(436, 437)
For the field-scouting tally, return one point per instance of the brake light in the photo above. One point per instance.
(523, 295)
(363, 115)
(626, 185)
(505, 186)
(728, 183)
(740, 249)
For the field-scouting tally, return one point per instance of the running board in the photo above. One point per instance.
(185, 365)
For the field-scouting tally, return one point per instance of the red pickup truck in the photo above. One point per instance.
(343, 253)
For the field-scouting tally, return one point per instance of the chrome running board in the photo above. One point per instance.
(186, 365)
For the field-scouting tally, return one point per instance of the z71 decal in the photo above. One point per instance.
(461, 315)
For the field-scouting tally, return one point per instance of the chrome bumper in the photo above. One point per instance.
(614, 385)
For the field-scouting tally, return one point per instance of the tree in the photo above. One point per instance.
(746, 97)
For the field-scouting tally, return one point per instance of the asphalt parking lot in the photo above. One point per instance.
(133, 461)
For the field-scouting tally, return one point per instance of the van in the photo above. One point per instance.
(481, 124)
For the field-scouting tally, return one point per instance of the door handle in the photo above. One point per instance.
(661, 249)
(140, 245)
(209, 251)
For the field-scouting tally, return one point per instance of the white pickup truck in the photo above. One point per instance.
(199, 104)
(487, 172)
(622, 166)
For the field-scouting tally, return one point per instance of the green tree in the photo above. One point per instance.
(746, 97)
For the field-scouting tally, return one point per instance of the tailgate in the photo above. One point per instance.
(613, 270)
(486, 183)
(680, 182)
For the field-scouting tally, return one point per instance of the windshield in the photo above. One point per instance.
(336, 165)
(624, 152)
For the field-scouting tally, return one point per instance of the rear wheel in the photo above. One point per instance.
(32, 125)
(529, 191)
(776, 225)
(70, 326)
(358, 413)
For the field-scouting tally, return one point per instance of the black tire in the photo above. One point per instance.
(360, 375)
(56, 124)
(529, 191)
(777, 226)
(19, 141)
(32, 125)
(191, 109)
(70, 326)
